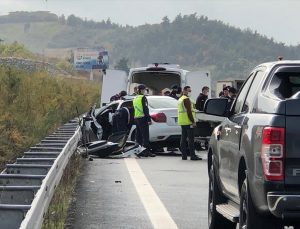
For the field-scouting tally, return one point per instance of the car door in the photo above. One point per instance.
(197, 80)
(229, 143)
(114, 81)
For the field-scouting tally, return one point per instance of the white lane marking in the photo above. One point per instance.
(158, 214)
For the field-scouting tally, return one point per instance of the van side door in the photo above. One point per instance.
(113, 82)
(197, 80)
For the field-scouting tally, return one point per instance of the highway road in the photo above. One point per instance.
(161, 192)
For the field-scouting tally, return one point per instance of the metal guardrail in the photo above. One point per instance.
(27, 186)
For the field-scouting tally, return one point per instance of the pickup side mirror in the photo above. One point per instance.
(217, 107)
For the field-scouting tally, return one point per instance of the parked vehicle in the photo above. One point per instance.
(164, 130)
(253, 156)
(156, 77)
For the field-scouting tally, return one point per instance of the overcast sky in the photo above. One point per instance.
(274, 18)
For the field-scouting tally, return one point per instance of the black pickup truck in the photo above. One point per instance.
(254, 154)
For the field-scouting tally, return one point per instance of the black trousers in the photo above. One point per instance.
(142, 132)
(187, 136)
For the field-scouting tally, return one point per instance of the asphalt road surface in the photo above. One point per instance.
(162, 192)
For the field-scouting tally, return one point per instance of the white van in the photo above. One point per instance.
(156, 77)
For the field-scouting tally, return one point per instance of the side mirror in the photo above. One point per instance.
(217, 107)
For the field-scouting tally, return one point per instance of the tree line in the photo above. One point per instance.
(189, 40)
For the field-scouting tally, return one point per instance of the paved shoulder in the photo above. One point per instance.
(106, 198)
(163, 192)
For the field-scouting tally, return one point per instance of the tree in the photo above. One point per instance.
(122, 65)
(165, 20)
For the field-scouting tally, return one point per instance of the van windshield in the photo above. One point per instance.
(162, 102)
(155, 81)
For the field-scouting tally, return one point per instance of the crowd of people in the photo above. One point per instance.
(139, 115)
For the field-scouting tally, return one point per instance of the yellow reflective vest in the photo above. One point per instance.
(138, 107)
(183, 118)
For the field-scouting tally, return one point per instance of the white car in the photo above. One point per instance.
(164, 130)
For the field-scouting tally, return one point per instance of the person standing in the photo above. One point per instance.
(176, 92)
(142, 120)
(186, 119)
(232, 96)
(122, 120)
(225, 93)
(118, 96)
(202, 98)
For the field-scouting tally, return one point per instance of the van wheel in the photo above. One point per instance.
(249, 218)
(215, 219)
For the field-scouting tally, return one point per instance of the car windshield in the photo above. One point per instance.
(162, 102)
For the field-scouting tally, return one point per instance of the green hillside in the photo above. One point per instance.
(192, 41)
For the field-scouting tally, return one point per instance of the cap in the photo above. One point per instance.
(141, 87)
(174, 86)
(123, 93)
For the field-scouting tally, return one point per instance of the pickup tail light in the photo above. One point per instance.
(159, 117)
(272, 153)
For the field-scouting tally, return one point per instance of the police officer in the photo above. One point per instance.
(186, 119)
(142, 120)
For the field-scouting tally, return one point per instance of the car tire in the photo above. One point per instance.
(249, 218)
(215, 219)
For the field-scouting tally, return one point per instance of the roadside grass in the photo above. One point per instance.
(57, 212)
(33, 105)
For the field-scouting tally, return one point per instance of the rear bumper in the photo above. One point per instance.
(162, 132)
(171, 141)
(284, 205)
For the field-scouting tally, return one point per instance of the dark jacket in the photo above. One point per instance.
(201, 101)
(146, 109)
(173, 95)
(122, 119)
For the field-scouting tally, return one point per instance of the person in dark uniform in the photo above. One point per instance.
(176, 92)
(122, 119)
(118, 96)
(225, 93)
(232, 96)
(202, 98)
(142, 120)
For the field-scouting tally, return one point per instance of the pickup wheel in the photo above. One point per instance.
(249, 218)
(215, 219)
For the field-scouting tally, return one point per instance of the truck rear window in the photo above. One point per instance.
(284, 84)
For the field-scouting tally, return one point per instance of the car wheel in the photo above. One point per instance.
(215, 219)
(249, 218)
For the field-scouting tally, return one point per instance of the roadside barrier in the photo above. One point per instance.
(27, 186)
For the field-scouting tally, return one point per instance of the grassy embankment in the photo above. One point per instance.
(31, 107)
